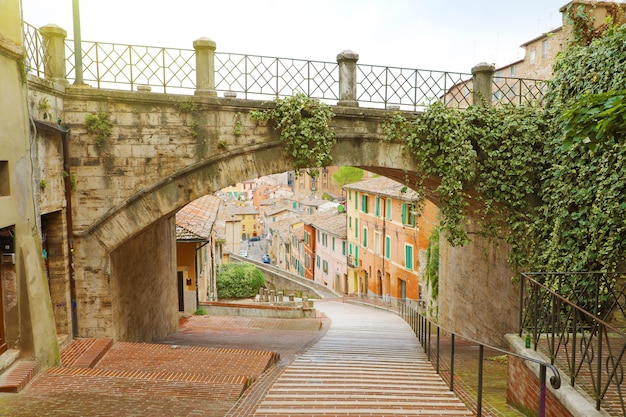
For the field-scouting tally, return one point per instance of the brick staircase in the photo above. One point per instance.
(18, 375)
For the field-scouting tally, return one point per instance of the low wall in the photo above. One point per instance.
(258, 310)
(522, 391)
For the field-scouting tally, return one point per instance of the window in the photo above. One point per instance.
(365, 237)
(544, 48)
(389, 208)
(317, 261)
(356, 228)
(350, 222)
(377, 243)
(388, 247)
(532, 56)
(356, 200)
(408, 256)
(408, 214)
(343, 248)
(325, 267)
(325, 240)
(333, 244)
(512, 71)
(364, 203)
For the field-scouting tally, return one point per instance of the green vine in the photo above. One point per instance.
(305, 127)
(99, 125)
(237, 126)
(552, 180)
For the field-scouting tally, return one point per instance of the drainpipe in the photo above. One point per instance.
(65, 133)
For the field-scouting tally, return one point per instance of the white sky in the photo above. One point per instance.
(445, 35)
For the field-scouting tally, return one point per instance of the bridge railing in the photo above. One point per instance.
(566, 316)
(203, 71)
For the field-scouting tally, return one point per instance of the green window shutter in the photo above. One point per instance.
(364, 237)
(377, 206)
(408, 257)
(404, 210)
(343, 248)
(389, 215)
(356, 200)
(356, 227)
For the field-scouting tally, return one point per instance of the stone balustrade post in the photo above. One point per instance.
(54, 52)
(347, 78)
(205, 67)
(482, 80)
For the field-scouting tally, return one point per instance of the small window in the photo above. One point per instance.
(389, 208)
(365, 237)
(408, 257)
(325, 267)
(388, 247)
(364, 203)
(512, 71)
(532, 57)
(544, 48)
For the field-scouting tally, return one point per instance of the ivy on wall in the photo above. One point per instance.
(305, 127)
(550, 180)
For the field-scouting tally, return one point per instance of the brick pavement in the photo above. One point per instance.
(202, 370)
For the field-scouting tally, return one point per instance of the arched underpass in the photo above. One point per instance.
(161, 156)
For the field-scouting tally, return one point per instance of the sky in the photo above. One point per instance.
(444, 35)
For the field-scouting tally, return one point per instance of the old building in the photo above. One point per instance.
(27, 319)
(388, 229)
(197, 253)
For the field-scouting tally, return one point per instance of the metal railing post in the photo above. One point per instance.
(542, 390)
(452, 363)
(479, 401)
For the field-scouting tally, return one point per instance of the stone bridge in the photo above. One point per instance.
(165, 150)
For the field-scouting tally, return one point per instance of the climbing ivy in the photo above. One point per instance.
(99, 125)
(305, 127)
(551, 180)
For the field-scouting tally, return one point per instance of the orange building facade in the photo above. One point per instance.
(388, 232)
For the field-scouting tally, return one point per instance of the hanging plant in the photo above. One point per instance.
(305, 127)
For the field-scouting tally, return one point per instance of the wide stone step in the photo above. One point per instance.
(85, 352)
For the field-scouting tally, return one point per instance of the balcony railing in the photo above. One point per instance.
(576, 320)
(189, 71)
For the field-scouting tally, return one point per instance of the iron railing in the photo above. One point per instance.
(35, 47)
(173, 70)
(430, 335)
(518, 91)
(577, 319)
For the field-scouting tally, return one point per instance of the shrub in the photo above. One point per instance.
(239, 280)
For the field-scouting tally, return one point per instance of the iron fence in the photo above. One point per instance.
(172, 70)
(518, 91)
(412, 89)
(35, 47)
(568, 316)
(431, 336)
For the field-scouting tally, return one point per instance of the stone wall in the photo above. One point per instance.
(144, 293)
(477, 297)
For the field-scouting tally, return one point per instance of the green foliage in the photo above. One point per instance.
(237, 126)
(431, 275)
(304, 125)
(551, 181)
(347, 175)
(99, 125)
(239, 280)
(43, 184)
(187, 106)
(200, 312)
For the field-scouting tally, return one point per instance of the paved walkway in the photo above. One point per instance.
(353, 361)
(368, 364)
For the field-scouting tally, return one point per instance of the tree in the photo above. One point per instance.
(347, 175)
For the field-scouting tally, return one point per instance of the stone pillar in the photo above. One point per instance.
(347, 78)
(482, 79)
(205, 67)
(54, 52)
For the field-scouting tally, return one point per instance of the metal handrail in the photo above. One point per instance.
(583, 343)
(423, 328)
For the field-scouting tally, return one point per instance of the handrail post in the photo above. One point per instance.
(482, 80)
(205, 67)
(452, 362)
(54, 52)
(347, 78)
(438, 348)
(479, 401)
